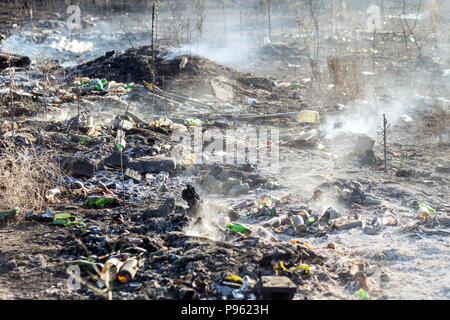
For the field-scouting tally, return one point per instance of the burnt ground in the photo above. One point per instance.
(186, 253)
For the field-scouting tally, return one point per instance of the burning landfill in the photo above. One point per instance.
(244, 151)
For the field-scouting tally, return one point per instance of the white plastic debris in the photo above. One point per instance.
(250, 101)
(406, 118)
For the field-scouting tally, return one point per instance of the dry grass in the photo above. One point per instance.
(25, 176)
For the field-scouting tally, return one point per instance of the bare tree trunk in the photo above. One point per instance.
(153, 55)
(270, 29)
(224, 23)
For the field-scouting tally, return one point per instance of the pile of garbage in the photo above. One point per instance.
(140, 221)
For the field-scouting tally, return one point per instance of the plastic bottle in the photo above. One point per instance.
(238, 228)
(120, 140)
(90, 121)
(276, 222)
(350, 225)
(264, 233)
(240, 189)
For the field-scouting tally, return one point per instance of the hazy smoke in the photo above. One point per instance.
(365, 116)
(213, 218)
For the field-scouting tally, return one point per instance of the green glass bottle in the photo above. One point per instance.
(238, 228)
(100, 201)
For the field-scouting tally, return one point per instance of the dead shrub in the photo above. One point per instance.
(25, 176)
(344, 75)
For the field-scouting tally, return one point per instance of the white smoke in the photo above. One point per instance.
(366, 115)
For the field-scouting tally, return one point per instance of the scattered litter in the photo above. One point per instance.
(116, 195)
(417, 205)
(362, 294)
(9, 215)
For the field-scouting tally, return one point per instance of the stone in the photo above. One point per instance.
(134, 117)
(8, 60)
(113, 160)
(153, 166)
(257, 82)
(370, 230)
(352, 142)
(369, 158)
(132, 174)
(277, 288)
(405, 173)
(193, 199)
(163, 210)
(79, 167)
(389, 220)
(123, 122)
(191, 170)
(233, 215)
